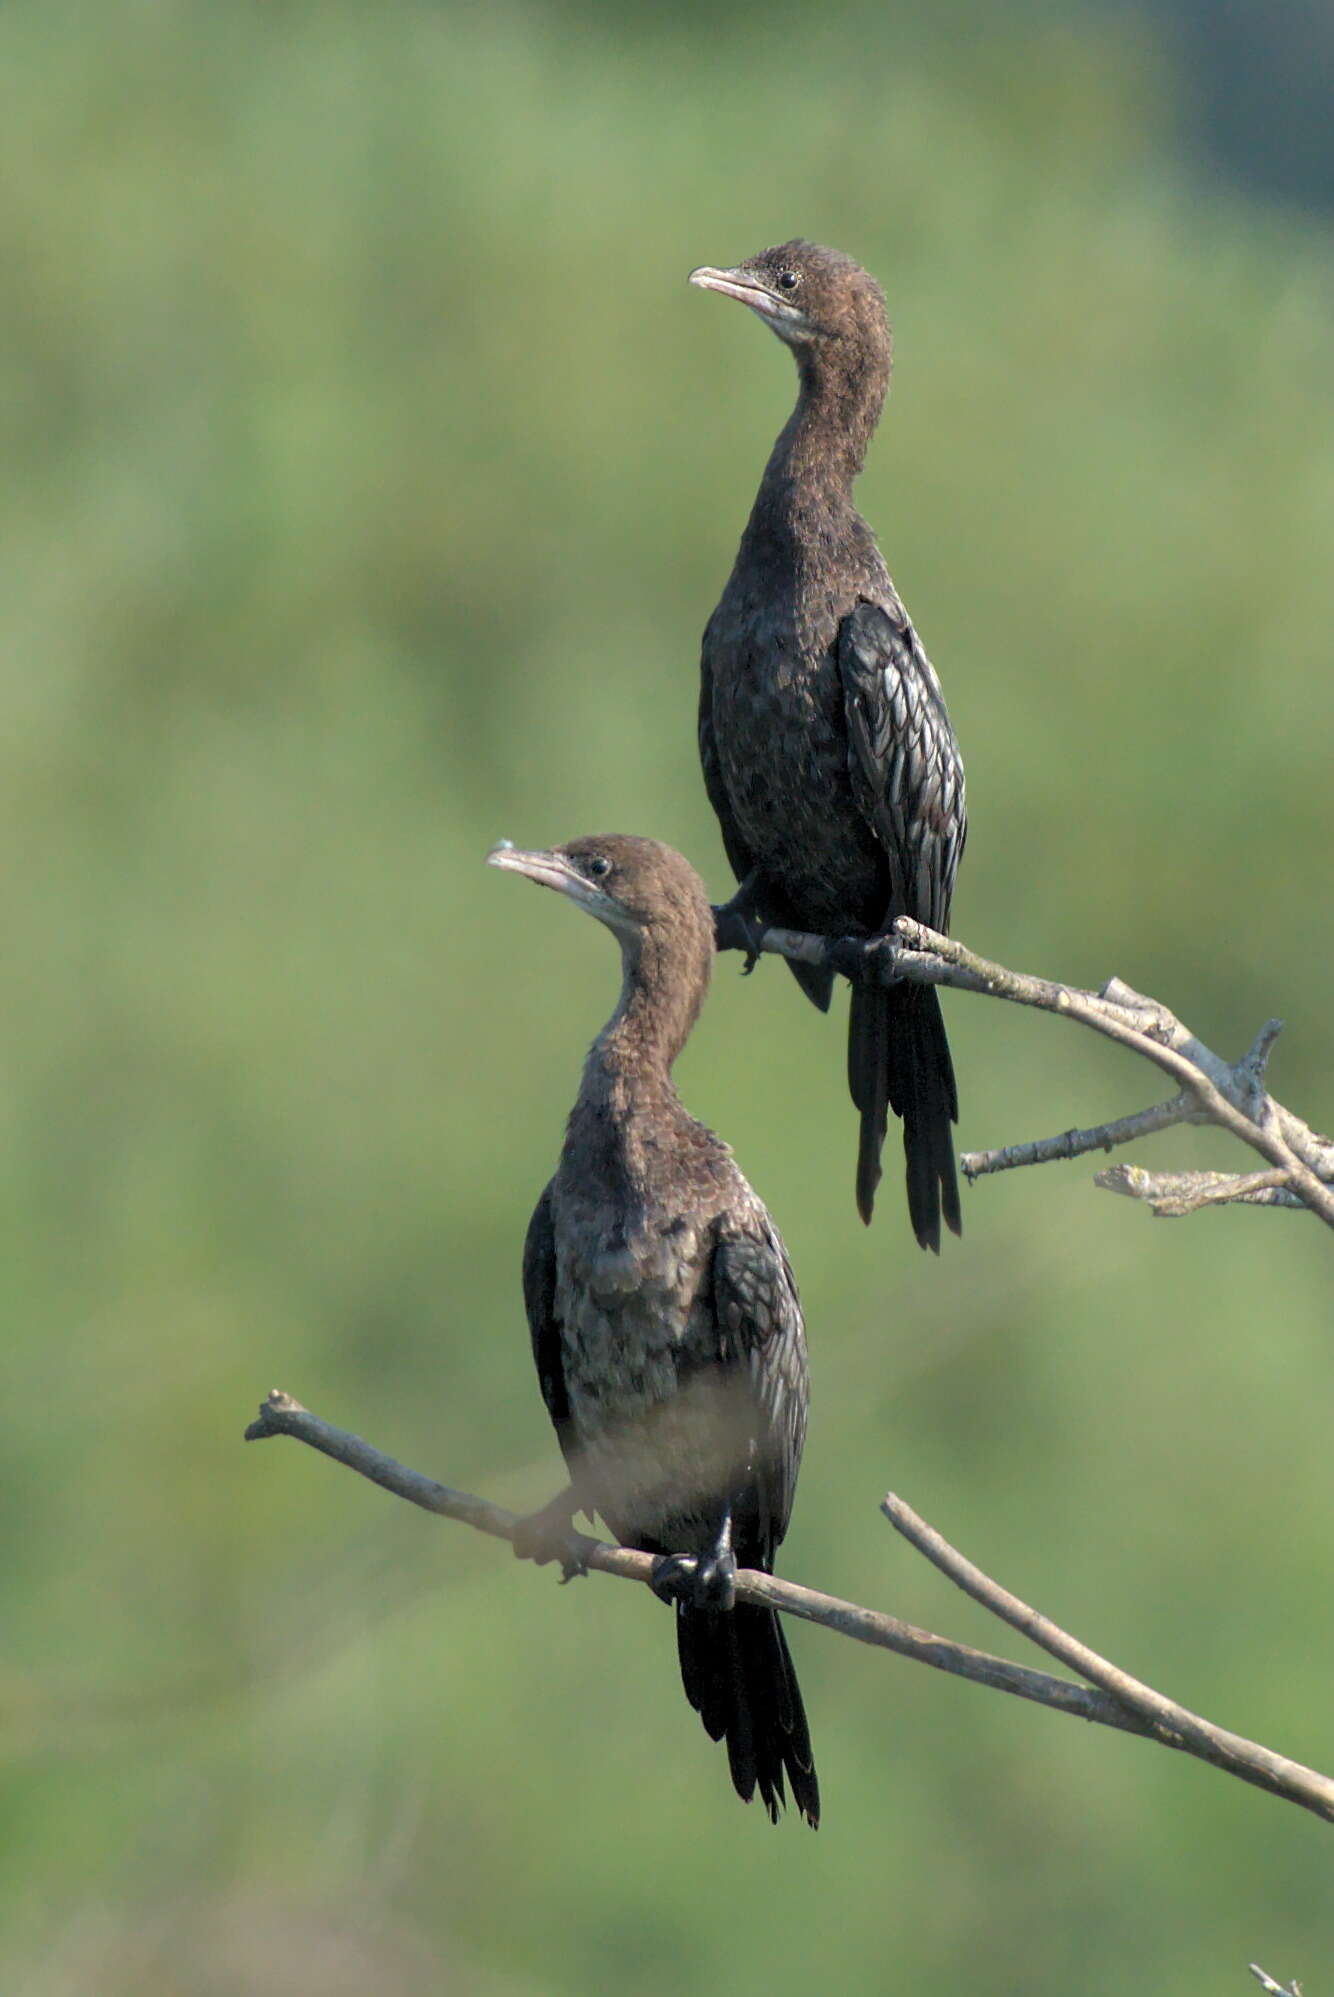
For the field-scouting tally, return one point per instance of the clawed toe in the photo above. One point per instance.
(673, 1577)
(735, 929)
(715, 1582)
(543, 1538)
(863, 960)
(573, 1556)
(737, 926)
(701, 1582)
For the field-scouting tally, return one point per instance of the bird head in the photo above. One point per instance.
(638, 887)
(808, 295)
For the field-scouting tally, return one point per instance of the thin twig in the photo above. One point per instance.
(1230, 1094)
(281, 1415)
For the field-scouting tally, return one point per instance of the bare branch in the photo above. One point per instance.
(1165, 1719)
(1293, 1989)
(1172, 1194)
(1229, 1094)
(281, 1415)
(1074, 1143)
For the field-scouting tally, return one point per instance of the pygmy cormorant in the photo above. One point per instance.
(665, 1322)
(828, 754)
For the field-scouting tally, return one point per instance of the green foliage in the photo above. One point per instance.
(370, 473)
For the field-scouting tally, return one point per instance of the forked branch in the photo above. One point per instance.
(1111, 1699)
(1210, 1090)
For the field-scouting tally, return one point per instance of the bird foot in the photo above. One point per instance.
(549, 1534)
(701, 1581)
(736, 926)
(865, 960)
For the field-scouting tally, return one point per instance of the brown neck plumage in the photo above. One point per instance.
(666, 977)
(822, 446)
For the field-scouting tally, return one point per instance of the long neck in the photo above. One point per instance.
(629, 1067)
(822, 447)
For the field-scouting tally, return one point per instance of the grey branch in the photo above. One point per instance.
(1110, 1699)
(1293, 1989)
(1210, 1089)
(1172, 1194)
(1075, 1143)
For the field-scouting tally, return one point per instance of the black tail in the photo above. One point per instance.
(899, 1059)
(738, 1676)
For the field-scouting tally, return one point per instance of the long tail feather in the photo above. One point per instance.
(737, 1672)
(899, 1059)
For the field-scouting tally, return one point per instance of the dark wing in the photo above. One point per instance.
(818, 984)
(738, 853)
(539, 1296)
(760, 1329)
(907, 774)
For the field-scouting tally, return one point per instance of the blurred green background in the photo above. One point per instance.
(370, 473)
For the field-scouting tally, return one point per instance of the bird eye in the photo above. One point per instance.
(788, 280)
(597, 865)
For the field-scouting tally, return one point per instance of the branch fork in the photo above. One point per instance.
(1210, 1090)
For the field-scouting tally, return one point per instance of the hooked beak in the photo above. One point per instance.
(550, 870)
(747, 290)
